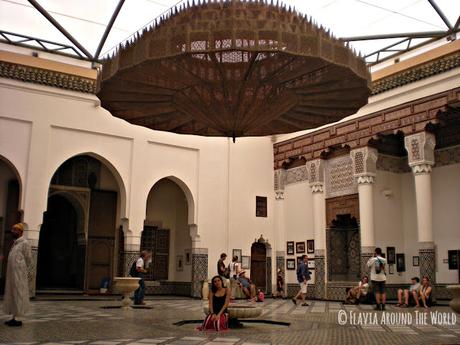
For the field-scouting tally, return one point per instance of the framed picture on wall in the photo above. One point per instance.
(237, 252)
(290, 247)
(311, 264)
(400, 263)
(452, 259)
(188, 256)
(179, 263)
(391, 269)
(310, 246)
(245, 262)
(300, 247)
(415, 261)
(290, 263)
(391, 258)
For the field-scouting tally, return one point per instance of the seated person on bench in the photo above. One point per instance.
(356, 292)
(248, 287)
(410, 295)
(425, 293)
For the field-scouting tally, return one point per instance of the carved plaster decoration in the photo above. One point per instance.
(279, 194)
(364, 163)
(447, 156)
(365, 179)
(420, 149)
(397, 165)
(317, 188)
(280, 179)
(295, 175)
(339, 177)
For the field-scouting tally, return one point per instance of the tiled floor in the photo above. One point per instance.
(87, 322)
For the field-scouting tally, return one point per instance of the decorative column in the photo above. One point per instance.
(32, 269)
(364, 170)
(420, 149)
(280, 238)
(199, 263)
(315, 171)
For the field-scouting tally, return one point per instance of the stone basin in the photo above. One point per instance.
(455, 302)
(125, 286)
(242, 311)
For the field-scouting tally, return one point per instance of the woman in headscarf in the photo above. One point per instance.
(16, 298)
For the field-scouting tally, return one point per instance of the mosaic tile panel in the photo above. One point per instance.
(293, 289)
(365, 256)
(320, 266)
(32, 271)
(339, 177)
(128, 258)
(427, 263)
(199, 272)
(169, 288)
(269, 276)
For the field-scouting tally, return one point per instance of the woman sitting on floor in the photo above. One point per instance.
(219, 298)
(356, 292)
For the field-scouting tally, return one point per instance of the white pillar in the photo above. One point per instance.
(279, 247)
(366, 210)
(420, 151)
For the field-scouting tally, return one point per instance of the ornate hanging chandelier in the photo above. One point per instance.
(234, 68)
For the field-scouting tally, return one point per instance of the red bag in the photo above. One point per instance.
(210, 325)
(260, 296)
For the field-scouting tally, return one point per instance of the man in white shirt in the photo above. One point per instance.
(141, 271)
(378, 278)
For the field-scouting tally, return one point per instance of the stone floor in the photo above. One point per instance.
(87, 322)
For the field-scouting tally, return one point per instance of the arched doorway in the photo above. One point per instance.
(10, 189)
(79, 232)
(261, 265)
(61, 260)
(166, 232)
(344, 249)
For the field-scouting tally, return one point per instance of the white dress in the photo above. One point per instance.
(16, 298)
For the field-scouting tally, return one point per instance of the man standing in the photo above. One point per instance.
(221, 268)
(16, 298)
(378, 278)
(303, 276)
(141, 272)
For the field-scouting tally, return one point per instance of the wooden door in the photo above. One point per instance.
(157, 241)
(259, 265)
(101, 238)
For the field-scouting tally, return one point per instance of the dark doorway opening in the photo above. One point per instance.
(344, 249)
(61, 261)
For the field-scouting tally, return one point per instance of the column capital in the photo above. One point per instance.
(364, 164)
(420, 150)
(317, 187)
(279, 194)
(421, 169)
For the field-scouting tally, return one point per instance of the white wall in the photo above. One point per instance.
(41, 127)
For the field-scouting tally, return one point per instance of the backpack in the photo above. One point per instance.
(379, 266)
(133, 271)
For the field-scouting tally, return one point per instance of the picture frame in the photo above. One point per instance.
(300, 247)
(188, 256)
(400, 262)
(179, 263)
(416, 261)
(310, 246)
(290, 247)
(290, 264)
(311, 264)
(391, 255)
(452, 259)
(391, 269)
(237, 252)
(245, 262)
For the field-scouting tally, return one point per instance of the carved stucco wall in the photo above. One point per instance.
(339, 177)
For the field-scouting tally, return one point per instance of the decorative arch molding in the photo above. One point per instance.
(110, 166)
(15, 171)
(348, 204)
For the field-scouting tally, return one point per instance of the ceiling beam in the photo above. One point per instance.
(425, 34)
(108, 28)
(58, 26)
(441, 14)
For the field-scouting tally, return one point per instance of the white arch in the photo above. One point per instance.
(109, 165)
(15, 171)
(187, 192)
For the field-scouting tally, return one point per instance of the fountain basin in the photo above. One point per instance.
(455, 302)
(240, 311)
(125, 286)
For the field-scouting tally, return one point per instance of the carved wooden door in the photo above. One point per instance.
(101, 238)
(157, 241)
(259, 265)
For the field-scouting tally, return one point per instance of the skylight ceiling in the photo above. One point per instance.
(86, 20)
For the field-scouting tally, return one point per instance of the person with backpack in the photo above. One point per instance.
(138, 270)
(378, 278)
(303, 276)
